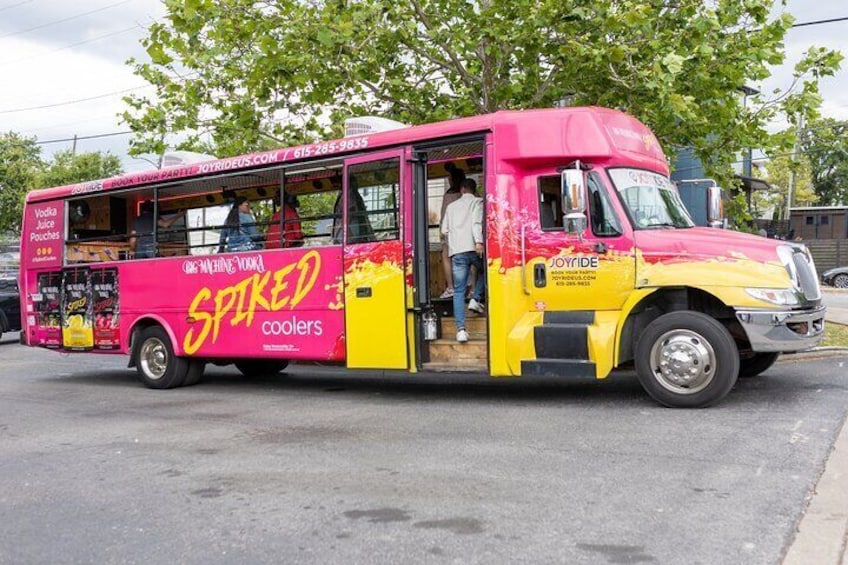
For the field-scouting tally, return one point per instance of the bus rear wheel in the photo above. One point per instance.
(157, 365)
(259, 367)
(686, 360)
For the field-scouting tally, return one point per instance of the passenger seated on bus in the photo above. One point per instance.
(142, 244)
(359, 227)
(240, 233)
(292, 232)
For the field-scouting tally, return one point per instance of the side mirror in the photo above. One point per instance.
(573, 186)
(715, 208)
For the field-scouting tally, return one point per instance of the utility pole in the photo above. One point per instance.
(796, 149)
(74, 147)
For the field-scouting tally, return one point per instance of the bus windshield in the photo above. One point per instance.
(651, 199)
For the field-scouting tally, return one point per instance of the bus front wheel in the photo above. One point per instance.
(157, 365)
(194, 372)
(756, 363)
(259, 367)
(686, 360)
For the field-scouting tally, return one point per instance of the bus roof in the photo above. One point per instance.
(615, 133)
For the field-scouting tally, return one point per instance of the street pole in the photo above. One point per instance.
(791, 189)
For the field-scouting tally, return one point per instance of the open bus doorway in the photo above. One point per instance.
(440, 169)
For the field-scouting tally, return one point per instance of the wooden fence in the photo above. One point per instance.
(828, 253)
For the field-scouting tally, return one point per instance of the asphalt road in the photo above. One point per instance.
(329, 467)
(836, 298)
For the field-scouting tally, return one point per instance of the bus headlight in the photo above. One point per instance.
(777, 296)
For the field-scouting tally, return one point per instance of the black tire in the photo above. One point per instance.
(756, 363)
(194, 372)
(259, 367)
(156, 363)
(686, 360)
(840, 281)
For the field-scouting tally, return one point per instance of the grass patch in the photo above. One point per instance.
(835, 335)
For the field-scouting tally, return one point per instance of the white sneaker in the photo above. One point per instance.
(448, 293)
(475, 306)
(462, 336)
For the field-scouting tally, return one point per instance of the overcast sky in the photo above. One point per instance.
(63, 71)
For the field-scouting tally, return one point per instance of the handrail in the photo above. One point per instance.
(524, 263)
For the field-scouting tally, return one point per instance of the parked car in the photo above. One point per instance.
(837, 277)
(10, 306)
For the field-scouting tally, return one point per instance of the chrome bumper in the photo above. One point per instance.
(782, 331)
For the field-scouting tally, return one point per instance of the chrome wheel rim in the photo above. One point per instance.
(841, 281)
(683, 362)
(153, 358)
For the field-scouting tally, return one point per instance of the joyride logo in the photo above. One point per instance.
(268, 291)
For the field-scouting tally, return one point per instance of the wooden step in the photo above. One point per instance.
(452, 352)
(439, 367)
(474, 325)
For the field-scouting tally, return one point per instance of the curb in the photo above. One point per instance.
(822, 533)
(815, 353)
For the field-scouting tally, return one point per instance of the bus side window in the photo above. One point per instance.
(372, 201)
(550, 203)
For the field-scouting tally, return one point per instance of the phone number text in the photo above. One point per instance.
(328, 148)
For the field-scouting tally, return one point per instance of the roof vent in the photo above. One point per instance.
(175, 158)
(364, 125)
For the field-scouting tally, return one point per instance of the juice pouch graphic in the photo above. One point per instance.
(77, 334)
(104, 293)
(48, 310)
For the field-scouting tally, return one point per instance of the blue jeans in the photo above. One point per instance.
(461, 267)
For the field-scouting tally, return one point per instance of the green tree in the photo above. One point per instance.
(825, 145)
(780, 170)
(20, 164)
(243, 71)
(69, 168)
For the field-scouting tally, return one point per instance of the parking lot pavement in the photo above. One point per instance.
(822, 536)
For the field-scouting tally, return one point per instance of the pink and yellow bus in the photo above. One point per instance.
(592, 263)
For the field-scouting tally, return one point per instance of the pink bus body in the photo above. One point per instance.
(360, 301)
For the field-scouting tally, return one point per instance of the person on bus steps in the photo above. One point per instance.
(292, 232)
(451, 195)
(463, 226)
(239, 233)
(142, 244)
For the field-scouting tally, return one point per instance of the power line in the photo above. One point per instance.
(92, 40)
(48, 24)
(83, 137)
(818, 22)
(10, 6)
(69, 102)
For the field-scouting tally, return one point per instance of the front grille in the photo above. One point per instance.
(807, 275)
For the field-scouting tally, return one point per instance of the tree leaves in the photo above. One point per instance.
(22, 169)
(825, 144)
(238, 71)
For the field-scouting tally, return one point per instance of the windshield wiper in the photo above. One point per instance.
(661, 225)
